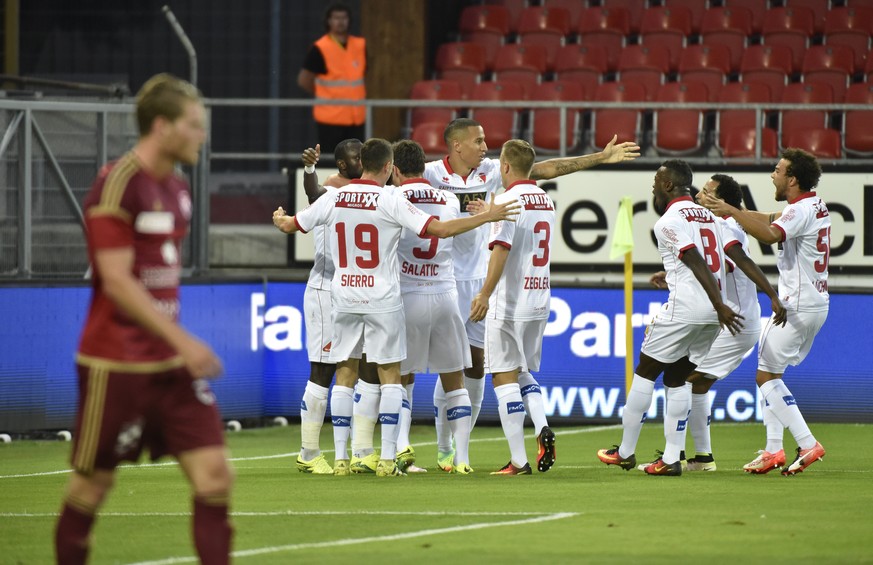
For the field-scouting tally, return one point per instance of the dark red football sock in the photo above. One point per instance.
(73, 531)
(212, 530)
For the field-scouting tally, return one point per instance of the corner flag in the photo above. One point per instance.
(623, 244)
(623, 235)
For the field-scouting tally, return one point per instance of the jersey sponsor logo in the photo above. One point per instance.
(513, 407)
(788, 215)
(155, 222)
(425, 196)
(385, 418)
(357, 200)
(670, 234)
(536, 283)
(698, 215)
(417, 270)
(168, 306)
(356, 281)
(536, 202)
(459, 412)
(467, 197)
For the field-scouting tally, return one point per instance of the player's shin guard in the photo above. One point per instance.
(73, 532)
(212, 529)
(476, 390)
(312, 409)
(774, 428)
(389, 417)
(366, 412)
(676, 422)
(511, 409)
(638, 401)
(533, 401)
(443, 431)
(784, 407)
(405, 422)
(699, 423)
(341, 407)
(458, 413)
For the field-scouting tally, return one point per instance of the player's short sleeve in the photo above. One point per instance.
(502, 232)
(671, 232)
(110, 220)
(793, 221)
(316, 214)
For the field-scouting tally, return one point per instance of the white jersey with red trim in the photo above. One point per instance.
(523, 292)
(321, 274)
(804, 253)
(740, 291)
(471, 261)
(426, 265)
(683, 226)
(364, 223)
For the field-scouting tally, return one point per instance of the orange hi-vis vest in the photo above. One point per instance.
(344, 79)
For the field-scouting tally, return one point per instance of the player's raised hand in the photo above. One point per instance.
(729, 319)
(780, 314)
(618, 152)
(507, 210)
(715, 205)
(281, 220)
(479, 307)
(659, 280)
(310, 156)
(476, 206)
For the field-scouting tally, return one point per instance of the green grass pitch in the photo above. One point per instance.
(579, 512)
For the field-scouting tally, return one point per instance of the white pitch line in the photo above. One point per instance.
(355, 541)
(275, 513)
(585, 430)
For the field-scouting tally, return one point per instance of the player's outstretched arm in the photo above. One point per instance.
(115, 268)
(753, 271)
(311, 187)
(612, 153)
(284, 222)
(491, 212)
(756, 224)
(496, 264)
(727, 318)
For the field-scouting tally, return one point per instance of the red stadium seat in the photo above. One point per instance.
(583, 65)
(523, 63)
(545, 20)
(433, 90)
(696, 8)
(767, 64)
(605, 28)
(634, 8)
(757, 9)
(831, 64)
(739, 125)
(514, 7)
(791, 27)
(500, 124)
(792, 121)
(493, 19)
(857, 133)
(545, 122)
(608, 122)
(679, 132)
(574, 7)
(463, 62)
(729, 27)
(552, 43)
(667, 27)
(430, 136)
(644, 65)
(824, 143)
(852, 28)
(819, 9)
(705, 64)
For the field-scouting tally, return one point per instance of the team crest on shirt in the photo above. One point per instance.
(482, 177)
(128, 437)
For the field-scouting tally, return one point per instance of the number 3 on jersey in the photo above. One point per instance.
(366, 240)
(541, 258)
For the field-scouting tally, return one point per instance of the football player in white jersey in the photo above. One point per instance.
(728, 350)
(365, 221)
(679, 337)
(467, 173)
(435, 335)
(803, 232)
(514, 302)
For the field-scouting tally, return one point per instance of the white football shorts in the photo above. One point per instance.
(319, 328)
(435, 334)
(384, 333)
(475, 330)
(728, 351)
(668, 341)
(782, 346)
(513, 344)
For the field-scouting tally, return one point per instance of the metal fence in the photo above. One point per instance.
(51, 150)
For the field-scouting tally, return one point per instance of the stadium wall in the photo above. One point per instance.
(257, 328)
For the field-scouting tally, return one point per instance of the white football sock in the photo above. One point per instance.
(367, 397)
(637, 404)
(775, 429)
(341, 403)
(676, 421)
(784, 407)
(511, 409)
(312, 409)
(533, 401)
(405, 421)
(443, 431)
(476, 390)
(699, 422)
(458, 413)
(389, 417)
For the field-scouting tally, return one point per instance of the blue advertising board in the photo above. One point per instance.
(258, 330)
